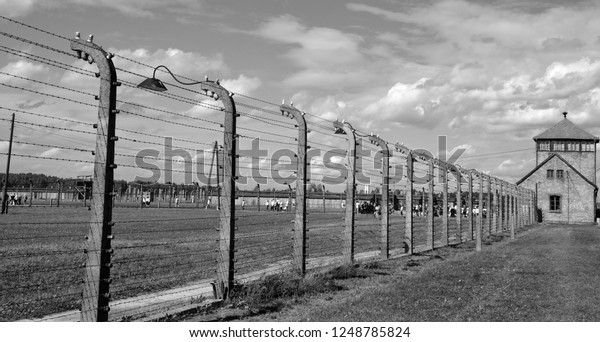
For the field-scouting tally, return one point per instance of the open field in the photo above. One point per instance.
(42, 250)
(157, 249)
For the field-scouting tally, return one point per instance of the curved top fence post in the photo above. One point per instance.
(95, 299)
(345, 128)
(301, 180)
(408, 201)
(225, 268)
(385, 193)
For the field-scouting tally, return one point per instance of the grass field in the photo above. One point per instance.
(548, 274)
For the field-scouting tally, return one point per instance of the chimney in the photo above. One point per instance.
(565, 114)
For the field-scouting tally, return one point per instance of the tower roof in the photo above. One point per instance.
(565, 130)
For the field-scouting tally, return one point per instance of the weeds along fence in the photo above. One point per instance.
(228, 188)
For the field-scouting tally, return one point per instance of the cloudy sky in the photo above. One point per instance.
(489, 75)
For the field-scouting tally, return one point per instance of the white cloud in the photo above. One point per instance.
(316, 45)
(513, 169)
(527, 102)
(133, 8)
(413, 104)
(4, 146)
(53, 152)
(325, 56)
(16, 8)
(24, 69)
(243, 84)
(472, 29)
(491, 69)
(84, 168)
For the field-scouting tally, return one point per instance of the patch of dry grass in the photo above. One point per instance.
(548, 274)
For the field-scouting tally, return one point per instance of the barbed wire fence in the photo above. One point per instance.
(42, 250)
(225, 192)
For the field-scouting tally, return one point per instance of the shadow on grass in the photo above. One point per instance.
(272, 293)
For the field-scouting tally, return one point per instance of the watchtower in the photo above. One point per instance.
(565, 174)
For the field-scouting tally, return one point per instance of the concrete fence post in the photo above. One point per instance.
(528, 209)
(430, 209)
(458, 177)
(470, 207)
(96, 295)
(409, 224)
(505, 204)
(348, 130)
(518, 204)
(512, 212)
(443, 172)
(408, 197)
(494, 205)
(508, 206)
(300, 238)
(525, 208)
(226, 203)
(488, 206)
(384, 248)
(518, 212)
(479, 226)
(522, 205)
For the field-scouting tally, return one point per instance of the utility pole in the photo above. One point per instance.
(5, 190)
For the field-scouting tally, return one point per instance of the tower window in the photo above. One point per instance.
(587, 146)
(554, 203)
(560, 174)
(549, 173)
(573, 146)
(544, 146)
(558, 146)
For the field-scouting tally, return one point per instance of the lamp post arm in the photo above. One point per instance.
(173, 75)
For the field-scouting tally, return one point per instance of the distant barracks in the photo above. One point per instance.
(565, 174)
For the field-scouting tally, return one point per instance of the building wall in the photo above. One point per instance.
(584, 162)
(577, 195)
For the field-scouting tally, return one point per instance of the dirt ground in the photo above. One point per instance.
(549, 273)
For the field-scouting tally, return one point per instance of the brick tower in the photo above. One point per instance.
(565, 174)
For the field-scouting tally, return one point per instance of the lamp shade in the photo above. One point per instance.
(152, 84)
(338, 127)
